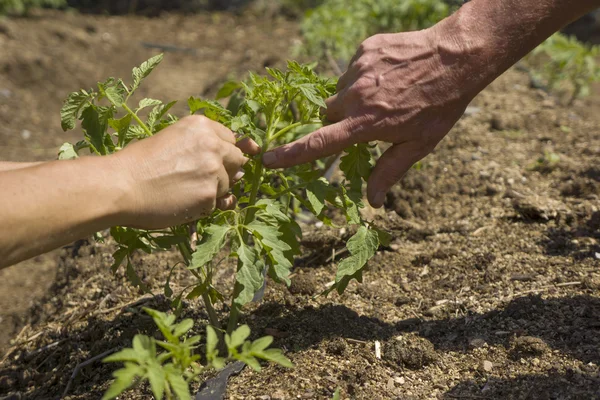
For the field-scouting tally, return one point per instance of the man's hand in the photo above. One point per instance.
(182, 173)
(398, 89)
(409, 89)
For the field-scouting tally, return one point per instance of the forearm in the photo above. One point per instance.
(43, 207)
(494, 35)
(9, 165)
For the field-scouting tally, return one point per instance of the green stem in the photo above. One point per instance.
(137, 119)
(235, 309)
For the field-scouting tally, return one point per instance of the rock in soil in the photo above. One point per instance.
(409, 351)
(528, 346)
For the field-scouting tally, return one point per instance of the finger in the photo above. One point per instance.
(227, 202)
(326, 141)
(335, 107)
(346, 79)
(224, 179)
(224, 133)
(234, 161)
(390, 168)
(248, 146)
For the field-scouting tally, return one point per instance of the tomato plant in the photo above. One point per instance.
(261, 234)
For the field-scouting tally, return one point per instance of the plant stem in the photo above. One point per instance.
(137, 119)
(235, 309)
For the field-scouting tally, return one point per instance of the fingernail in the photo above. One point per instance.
(269, 158)
(379, 199)
(239, 175)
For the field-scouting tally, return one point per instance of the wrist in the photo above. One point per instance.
(119, 188)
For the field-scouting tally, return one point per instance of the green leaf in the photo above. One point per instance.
(121, 126)
(212, 241)
(269, 235)
(178, 385)
(261, 344)
(119, 256)
(156, 377)
(126, 355)
(357, 164)
(238, 337)
(362, 246)
(316, 193)
(276, 356)
(166, 242)
(67, 152)
(73, 107)
(336, 395)
(310, 93)
(142, 72)
(227, 89)
(95, 121)
(115, 94)
(124, 379)
(249, 274)
(148, 103)
(158, 113)
(134, 278)
(183, 327)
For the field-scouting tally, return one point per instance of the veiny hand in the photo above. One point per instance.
(182, 173)
(407, 89)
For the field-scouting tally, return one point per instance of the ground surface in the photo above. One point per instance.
(490, 289)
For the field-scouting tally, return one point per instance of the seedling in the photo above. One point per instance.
(261, 234)
(567, 64)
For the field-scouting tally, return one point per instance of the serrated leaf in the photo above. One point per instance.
(121, 126)
(119, 256)
(238, 337)
(115, 94)
(212, 241)
(125, 355)
(179, 386)
(73, 107)
(336, 395)
(316, 193)
(362, 246)
(269, 235)
(148, 103)
(183, 327)
(357, 164)
(227, 89)
(166, 242)
(311, 95)
(158, 113)
(124, 379)
(249, 274)
(67, 152)
(142, 72)
(261, 344)
(276, 356)
(95, 122)
(156, 378)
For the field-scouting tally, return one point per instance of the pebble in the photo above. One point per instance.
(26, 134)
(399, 380)
(477, 342)
(487, 366)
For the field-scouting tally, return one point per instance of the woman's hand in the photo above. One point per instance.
(182, 173)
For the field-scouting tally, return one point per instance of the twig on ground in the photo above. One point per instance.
(84, 364)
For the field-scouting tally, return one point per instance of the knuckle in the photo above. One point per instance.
(196, 119)
(316, 142)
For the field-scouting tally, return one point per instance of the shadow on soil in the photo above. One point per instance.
(570, 325)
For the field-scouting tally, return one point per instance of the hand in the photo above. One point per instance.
(182, 173)
(407, 89)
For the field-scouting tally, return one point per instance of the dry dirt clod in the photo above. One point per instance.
(410, 351)
(528, 346)
(337, 347)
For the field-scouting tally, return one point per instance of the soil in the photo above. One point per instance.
(490, 288)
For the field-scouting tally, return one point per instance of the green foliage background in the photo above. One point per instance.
(22, 7)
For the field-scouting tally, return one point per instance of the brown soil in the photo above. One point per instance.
(489, 290)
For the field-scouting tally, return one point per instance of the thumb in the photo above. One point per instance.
(390, 168)
(324, 142)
